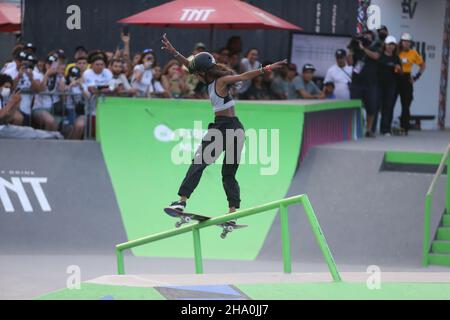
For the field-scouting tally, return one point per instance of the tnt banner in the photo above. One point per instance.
(425, 21)
(56, 197)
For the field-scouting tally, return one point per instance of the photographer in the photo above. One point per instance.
(364, 54)
(75, 103)
(143, 75)
(28, 80)
(9, 105)
(390, 68)
(47, 103)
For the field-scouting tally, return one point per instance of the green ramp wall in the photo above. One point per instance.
(137, 142)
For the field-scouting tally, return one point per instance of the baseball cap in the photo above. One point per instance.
(390, 39)
(30, 46)
(308, 67)
(340, 53)
(382, 27)
(147, 51)
(200, 45)
(406, 36)
(21, 55)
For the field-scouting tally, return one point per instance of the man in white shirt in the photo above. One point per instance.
(28, 80)
(98, 77)
(341, 75)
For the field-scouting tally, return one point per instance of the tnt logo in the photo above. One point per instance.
(196, 14)
(17, 186)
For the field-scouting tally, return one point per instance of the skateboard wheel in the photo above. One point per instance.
(223, 235)
(187, 219)
(229, 229)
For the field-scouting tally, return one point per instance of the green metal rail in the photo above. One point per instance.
(429, 201)
(285, 237)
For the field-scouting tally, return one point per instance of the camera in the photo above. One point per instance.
(356, 40)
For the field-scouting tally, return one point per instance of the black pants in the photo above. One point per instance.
(406, 91)
(225, 134)
(388, 96)
(369, 95)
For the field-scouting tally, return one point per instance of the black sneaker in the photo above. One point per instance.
(178, 205)
(370, 134)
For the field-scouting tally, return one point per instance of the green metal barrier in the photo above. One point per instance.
(285, 237)
(429, 202)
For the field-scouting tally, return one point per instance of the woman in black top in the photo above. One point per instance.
(390, 68)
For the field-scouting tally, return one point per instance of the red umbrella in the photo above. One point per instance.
(224, 14)
(9, 17)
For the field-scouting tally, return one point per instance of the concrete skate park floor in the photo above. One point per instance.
(30, 276)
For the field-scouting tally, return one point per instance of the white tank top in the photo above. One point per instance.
(219, 103)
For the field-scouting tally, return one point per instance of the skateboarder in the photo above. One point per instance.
(219, 79)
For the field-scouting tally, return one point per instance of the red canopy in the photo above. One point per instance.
(9, 17)
(223, 14)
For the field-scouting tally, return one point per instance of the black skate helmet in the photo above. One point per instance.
(202, 62)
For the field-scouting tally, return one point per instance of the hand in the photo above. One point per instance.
(278, 65)
(15, 98)
(167, 45)
(125, 38)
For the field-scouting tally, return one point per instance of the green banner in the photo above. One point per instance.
(144, 141)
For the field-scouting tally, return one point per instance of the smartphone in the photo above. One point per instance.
(125, 30)
(55, 65)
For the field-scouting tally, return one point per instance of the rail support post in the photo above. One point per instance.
(197, 251)
(285, 239)
(120, 267)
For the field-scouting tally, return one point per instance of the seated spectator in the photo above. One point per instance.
(137, 58)
(75, 104)
(328, 90)
(48, 99)
(249, 63)
(173, 80)
(234, 45)
(9, 105)
(28, 80)
(305, 86)
(233, 62)
(267, 79)
(341, 75)
(119, 83)
(223, 56)
(15, 117)
(158, 88)
(257, 90)
(80, 53)
(281, 85)
(192, 81)
(96, 80)
(143, 75)
(82, 64)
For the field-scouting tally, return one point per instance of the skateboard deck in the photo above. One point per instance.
(186, 217)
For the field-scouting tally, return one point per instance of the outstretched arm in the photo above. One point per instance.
(170, 48)
(227, 80)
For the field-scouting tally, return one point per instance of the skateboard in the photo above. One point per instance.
(186, 217)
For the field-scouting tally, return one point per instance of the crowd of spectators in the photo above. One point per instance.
(52, 93)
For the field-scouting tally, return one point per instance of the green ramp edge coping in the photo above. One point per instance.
(421, 158)
(137, 140)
